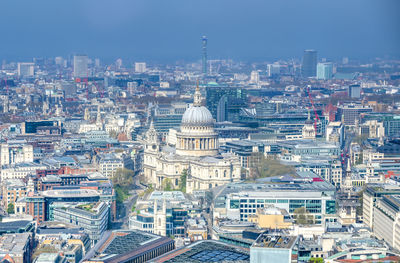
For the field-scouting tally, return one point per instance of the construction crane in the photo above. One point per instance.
(313, 106)
(87, 86)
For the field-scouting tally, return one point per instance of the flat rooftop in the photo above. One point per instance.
(171, 195)
(206, 251)
(124, 244)
(71, 193)
(275, 241)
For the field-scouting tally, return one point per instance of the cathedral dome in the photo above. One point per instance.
(197, 116)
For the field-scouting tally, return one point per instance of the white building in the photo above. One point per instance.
(335, 132)
(81, 66)
(308, 131)
(26, 69)
(108, 164)
(140, 67)
(254, 77)
(196, 151)
(20, 170)
(14, 152)
(386, 221)
(92, 217)
(372, 129)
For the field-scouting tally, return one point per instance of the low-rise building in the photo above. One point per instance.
(12, 190)
(371, 195)
(128, 246)
(108, 164)
(274, 247)
(92, 217)
(14, 152)
(386, 224)
(20, 170)
(16, 247)
(240, 201)
(272, 217)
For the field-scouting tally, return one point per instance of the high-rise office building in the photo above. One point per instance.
(26, 69)
(225, 102)
(97, 63)
(140, 67)
(59, 61)
(254, 77)
(309, 63)
(273, 70)
(80, 66)
(204, 54)
(324, 70)
(355, 91)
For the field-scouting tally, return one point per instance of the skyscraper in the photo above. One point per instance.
(324, 70)
(355, 91)
(26, 69)
(204, 54)
(309, 64)
(225, 102)
(140, 67)
(80, 66)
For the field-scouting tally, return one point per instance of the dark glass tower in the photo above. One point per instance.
(204, 54)
(309, 64)
(225, 102)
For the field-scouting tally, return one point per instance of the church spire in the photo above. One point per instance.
(197, 96)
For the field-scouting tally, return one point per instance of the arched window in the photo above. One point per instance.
(210, 186)
(224, 173)
(216, 173)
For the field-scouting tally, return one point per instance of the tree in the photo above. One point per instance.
(167, 185)
(10, 208)
(316, 260)
(261, 167)
(120, 194)
(302, 216)
(182, 183)
(123, 178)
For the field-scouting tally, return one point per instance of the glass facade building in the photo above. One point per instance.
(309, 63)
(324, 71)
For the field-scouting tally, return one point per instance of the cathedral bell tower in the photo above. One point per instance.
(152, 142)
(308, 131)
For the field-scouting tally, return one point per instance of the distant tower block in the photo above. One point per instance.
(204, 54)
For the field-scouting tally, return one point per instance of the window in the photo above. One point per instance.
(234, 204)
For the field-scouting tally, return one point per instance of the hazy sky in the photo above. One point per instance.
(169, 30)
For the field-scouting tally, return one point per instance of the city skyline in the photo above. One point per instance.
(168, 32)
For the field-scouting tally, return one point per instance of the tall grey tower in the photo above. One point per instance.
(309, 64)
(204, 54)
(80, 66)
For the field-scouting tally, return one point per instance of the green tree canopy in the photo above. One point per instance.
(123, 178)
(316, 260)
(10, 208)
(261, 167)
(182, 183)
(167, 185)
